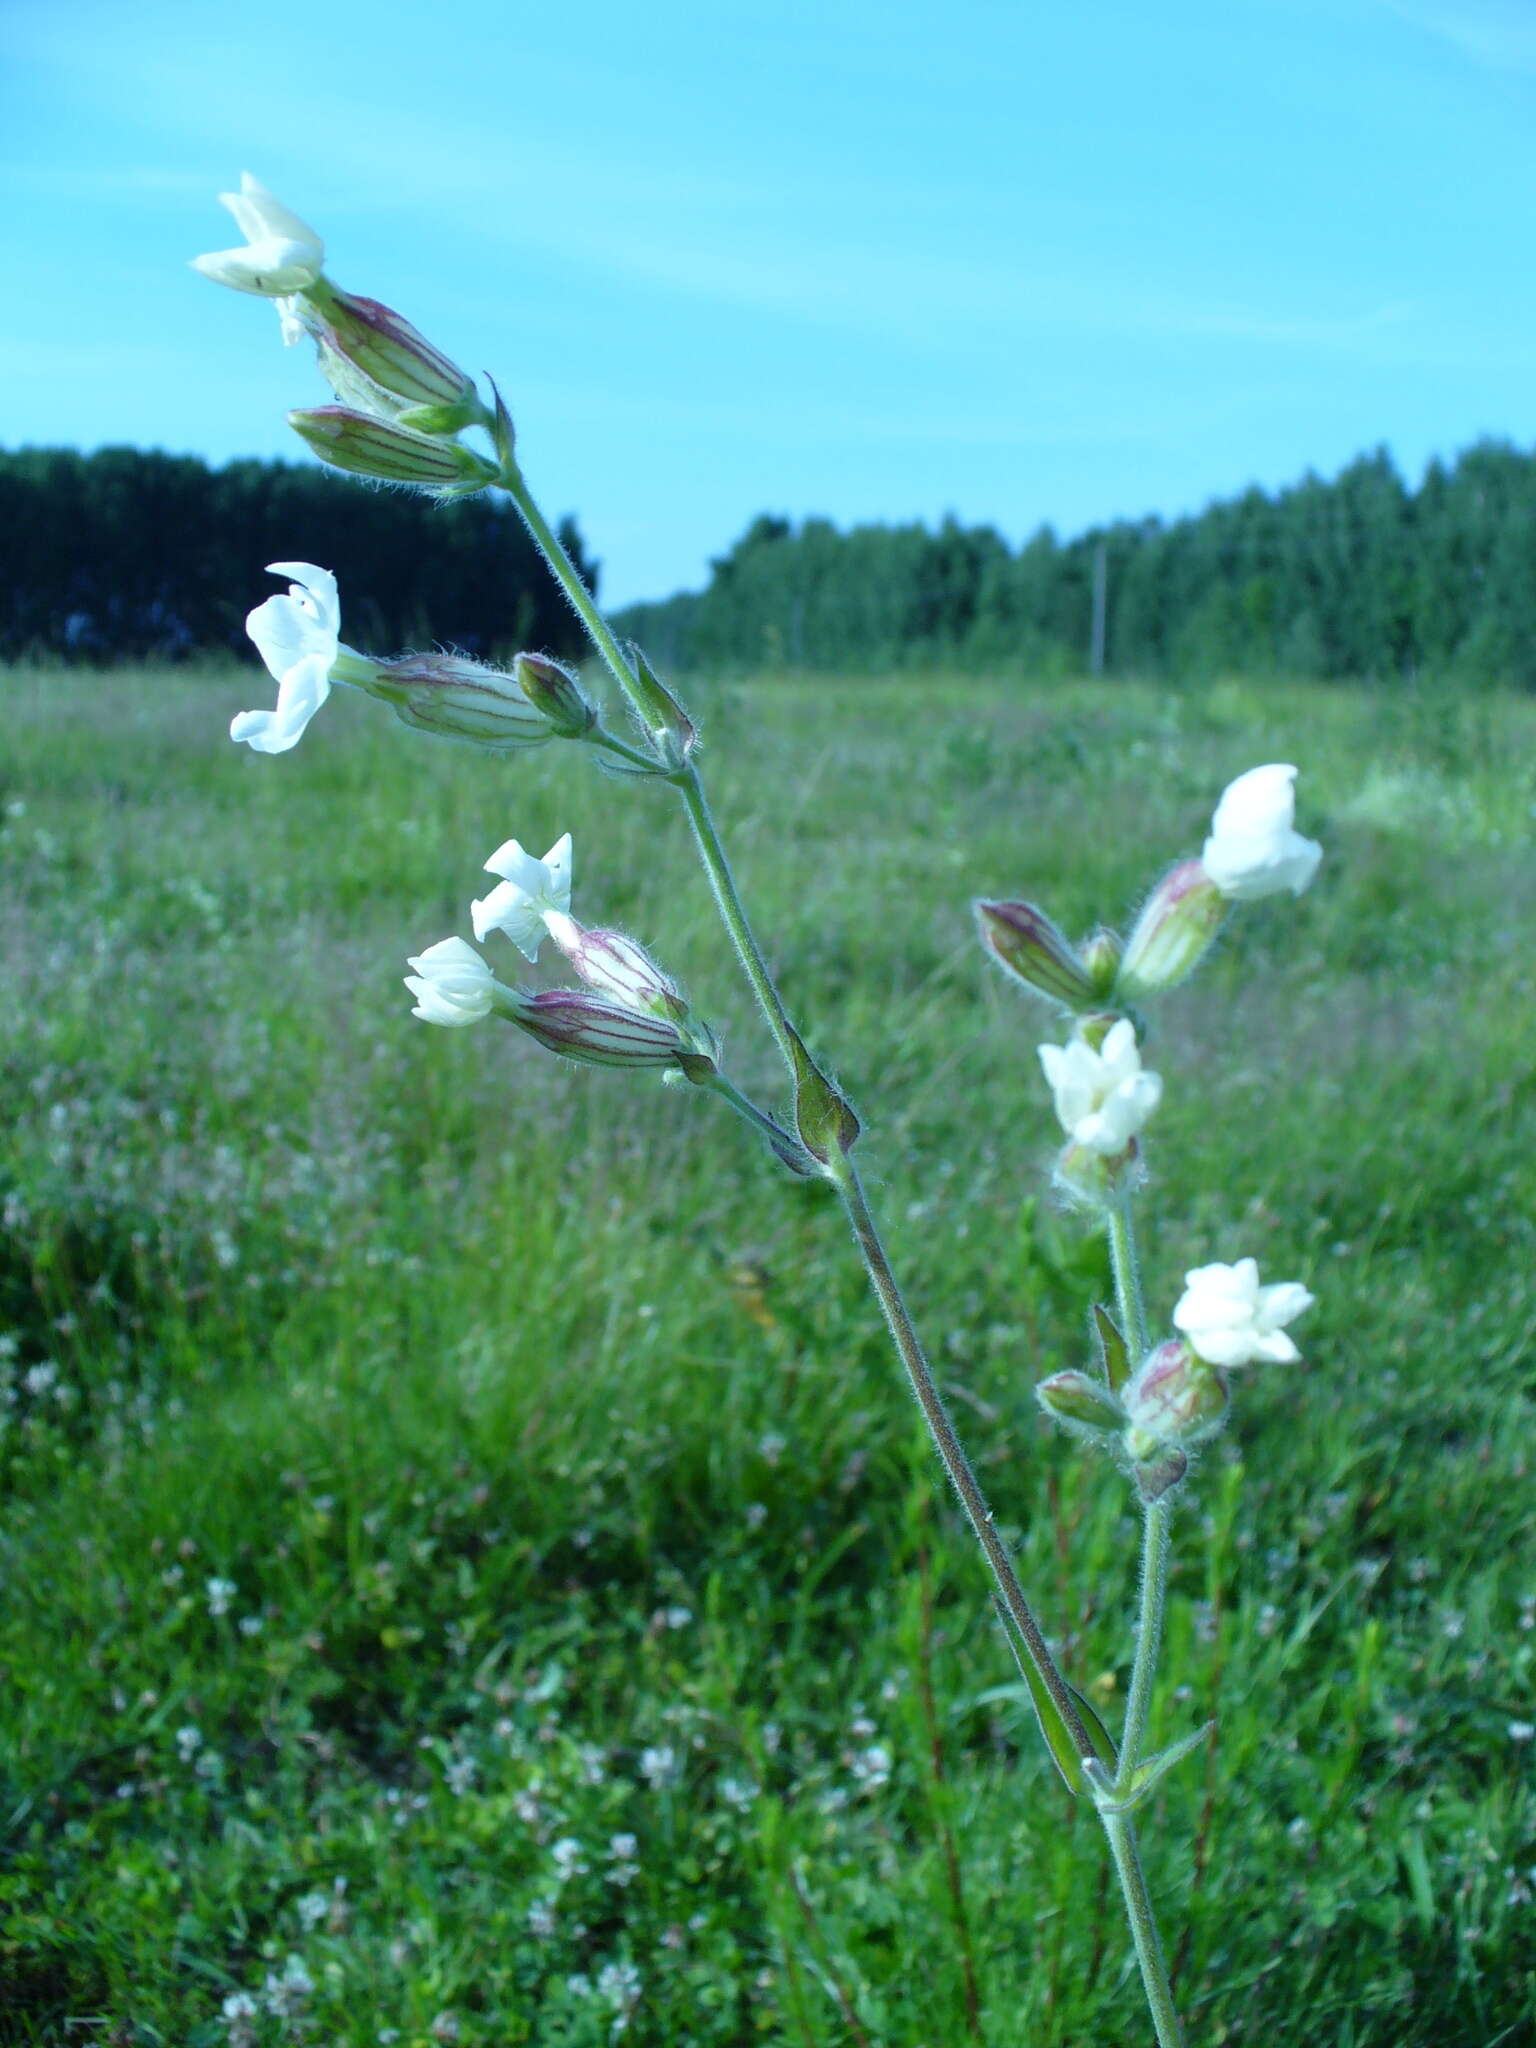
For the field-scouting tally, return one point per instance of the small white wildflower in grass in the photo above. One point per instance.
(566, 1854)
(285, 1996)
(754, 1514)
(871, 1768)
(298, 637)
(281, 255)
(530, 890)
(40, 1379)
(251, 1624)
(460, 1775)
(1299, 1830)
(452, 984)
(771, 1447)
(221, 1593)
(312, 1909)
(541, 1919)
(593, 1759)
(1103, 1097)
(658, 1766)
(1522, 1731)
(1230, 1319)
(737, 1792)
(1253, 849)
(677, 1617)
(1452, 1623)
(189, 1741)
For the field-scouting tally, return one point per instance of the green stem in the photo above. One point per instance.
(1156, 1524)
(783, 1142)
(1138, 1910)
(552, 548)
(1127, 1270)
(845, 1178)
(733, 913)
(1149, 1636)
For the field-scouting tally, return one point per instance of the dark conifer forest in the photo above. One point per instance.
(125, 554)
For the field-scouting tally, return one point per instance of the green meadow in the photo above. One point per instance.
(472, 1570)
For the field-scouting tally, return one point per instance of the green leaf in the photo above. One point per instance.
(826, 1124)
(1058, 1737)
(673, 730)
(1112, 1347)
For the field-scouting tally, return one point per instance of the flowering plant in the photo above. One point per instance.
(403, 408)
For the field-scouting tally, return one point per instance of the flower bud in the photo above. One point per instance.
(378, 361)
(1080, 1404)
(1177, 923)
(603, 1034)
(367, 445)
(1023, 940)
(555, 693)
(1159, 1473)
(1101, 958)
(456, 699)
(1173, 1398)
(615, 966)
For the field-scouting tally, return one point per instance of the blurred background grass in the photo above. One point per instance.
(472, 1569)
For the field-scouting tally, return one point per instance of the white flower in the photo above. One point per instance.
(1102, 1098)
(532, 891)
(1253, 849)
(1230, 1319)
(282, 254)
(297, 637)
(452, 984)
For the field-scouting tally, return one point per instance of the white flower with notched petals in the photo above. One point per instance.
(1254, 849)
(531, 891)
(282, 254)
(452, 984)
(1102, 1097)
(297, 637)
(1230, 1319)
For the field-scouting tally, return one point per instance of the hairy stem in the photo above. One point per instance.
(1138, 1910)
(845, 1177)
(1156, 1522)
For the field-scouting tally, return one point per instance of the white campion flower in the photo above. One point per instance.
(282, 254)
(297, 637)
(530, 891)
(1253, 849)
(1102, 1097)
(452, 984)
(1230, 1319)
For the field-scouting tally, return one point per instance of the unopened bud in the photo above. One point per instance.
(555, 693)
(367, 445)
(615, 966)
(1081, 1404)
(1177, 923)
(1033, 950)
(1173, 1398)
(379, 362)
(602, 1034)
(456, 699)
(1101, 958)
(1158, 1474)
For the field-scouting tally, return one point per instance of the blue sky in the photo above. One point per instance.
(1021, 262)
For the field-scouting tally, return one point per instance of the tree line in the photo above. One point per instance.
(1360, 576)
(128, 554)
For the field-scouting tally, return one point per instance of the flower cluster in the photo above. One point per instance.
(298, 636)
(401, 402)
(1178, 1395)
(629, 1014)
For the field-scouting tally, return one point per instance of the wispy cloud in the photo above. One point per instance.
(1498, 33)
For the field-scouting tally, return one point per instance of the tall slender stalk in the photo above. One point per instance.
(1156, 1521)
(844, 1176)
